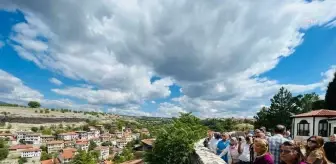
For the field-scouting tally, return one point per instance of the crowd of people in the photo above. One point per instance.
(261, 147)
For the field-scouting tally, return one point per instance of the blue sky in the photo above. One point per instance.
(145, 62)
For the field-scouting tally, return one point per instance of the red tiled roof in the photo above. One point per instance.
(148, 141)
(102, 148)
(318, 113)
(15, 147)
(70, 149)
(54, 142)
(51, 161)
(31, 150)
(6, 134)
(68, 154)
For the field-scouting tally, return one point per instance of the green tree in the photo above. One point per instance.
(84, 158)
(45, 156)
(319, 104)
(34, 104)
(175, 143)
(330, 96)
(283, 106)
(92, 145)
(43, 148)
(41, 111)
(22, 160)
(3, 149)
(9, 126)
(243, 127)
(34, 129)
(46, 131)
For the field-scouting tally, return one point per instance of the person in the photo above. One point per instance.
(313, 143)
(260, 147)
(276, 141)
(316, 157)
(207, 140)
(225, 142)
(244, 150)
(330, 149)
(287, 135)
(290, 153)
(213, 142)
(232, 151)
(263, 129)
(314, 150)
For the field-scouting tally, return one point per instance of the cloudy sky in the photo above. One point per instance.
(215, 58)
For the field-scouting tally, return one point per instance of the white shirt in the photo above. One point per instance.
(213, 145)
(245, 156)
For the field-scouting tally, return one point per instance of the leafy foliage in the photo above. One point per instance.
(34, 129)
(84, 158)
(34, 104)
(283, 106)
(45, 156)
(330, 98)
(22, 160)
(126, 155)
(92, 145)
(3, 149)
(175, 143)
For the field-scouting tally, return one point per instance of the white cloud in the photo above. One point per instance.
(55, 81)
(215, 50)
(14, 90)
(153, 102)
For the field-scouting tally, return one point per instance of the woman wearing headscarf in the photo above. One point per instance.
(330, 149)
(232, 151)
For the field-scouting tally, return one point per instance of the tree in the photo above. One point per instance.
(84, 158)
(283, 106)
(9, 126)
(175, 142)
(306, 101)
(330, 97)
(34, 104)
(43, 148)
(243, 127)
(3, 149)
(34, 129)
(92, 145)
(45, 156)
(319, 104)
(22, 160)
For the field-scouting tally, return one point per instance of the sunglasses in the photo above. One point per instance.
(312, 141)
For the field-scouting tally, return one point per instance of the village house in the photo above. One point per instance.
(30, 153)
(90, 135)
(82, 145)
(121, 143)
(32, 138)
(69, 143)
(105, 137)
(20, 135)
(318, 122)
(19, 147)
(145, 131)
(54, 146)
(147, 144)
(128, 138)
(95, 131)
(51, 161)
(103, 152)
(47, 138)
(96, 140)
(68, 136)
(118, 133)
(67, 155)
(82, 135)
(7, 135)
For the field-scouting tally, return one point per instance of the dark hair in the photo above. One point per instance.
(296, 148)
(217, 136)
(280, 129)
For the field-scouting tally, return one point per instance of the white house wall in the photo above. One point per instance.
(310, 120)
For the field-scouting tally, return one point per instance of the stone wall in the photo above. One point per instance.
(204, 156)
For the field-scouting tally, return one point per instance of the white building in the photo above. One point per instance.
(32, 138)
(319, 123)
(83, 135)
(121, 143)
(95, 131)
(29, 153)
(103, 152)
(90, 135)
(68, 136)
(82, 145)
